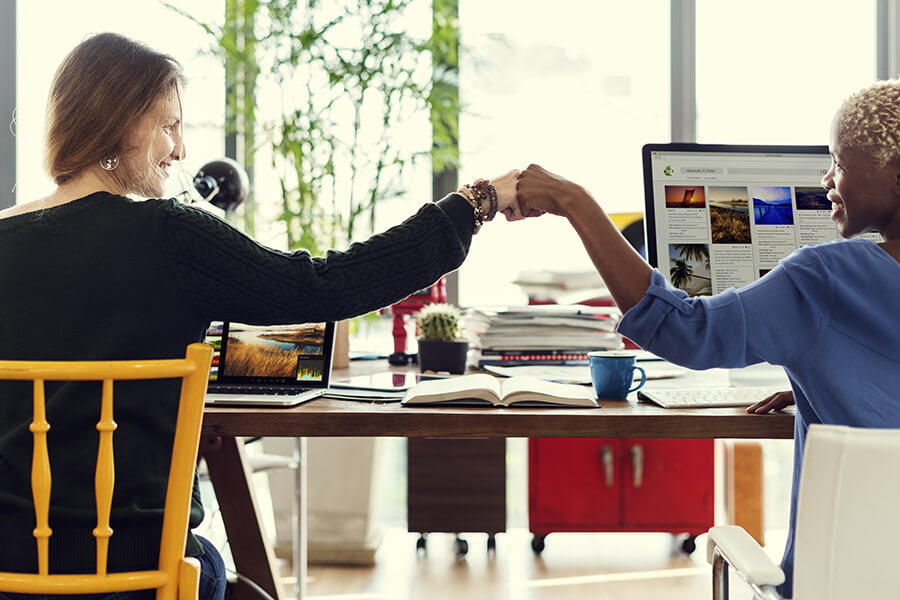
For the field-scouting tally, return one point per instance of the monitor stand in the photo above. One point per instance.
(759, 375)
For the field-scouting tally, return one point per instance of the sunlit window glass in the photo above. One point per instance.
(578, 88)
(774, 72)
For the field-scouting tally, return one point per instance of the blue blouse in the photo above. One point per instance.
(828, 314)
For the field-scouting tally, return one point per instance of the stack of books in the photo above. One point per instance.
(558, 334)
(564, 287)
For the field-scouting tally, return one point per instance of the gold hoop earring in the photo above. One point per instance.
(109, 163)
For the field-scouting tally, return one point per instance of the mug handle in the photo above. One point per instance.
(643, 379)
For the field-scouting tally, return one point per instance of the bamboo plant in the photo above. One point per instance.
(351, 78)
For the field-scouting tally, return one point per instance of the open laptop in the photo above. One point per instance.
(269, 365)
(719, 216)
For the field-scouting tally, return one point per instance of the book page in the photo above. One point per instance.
(522, 389)
(465, 387)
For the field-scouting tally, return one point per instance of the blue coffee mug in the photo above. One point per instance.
(612, 373)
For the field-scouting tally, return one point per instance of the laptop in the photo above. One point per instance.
(268, 365)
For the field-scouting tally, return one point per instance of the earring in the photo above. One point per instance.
(109, 163)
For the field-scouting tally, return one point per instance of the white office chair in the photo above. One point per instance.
(848, 523)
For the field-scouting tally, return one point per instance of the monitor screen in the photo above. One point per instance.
(283, 354)
(721, 216)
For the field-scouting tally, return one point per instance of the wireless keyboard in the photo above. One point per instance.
(708, 397)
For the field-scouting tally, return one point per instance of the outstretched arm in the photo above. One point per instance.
(626, 273)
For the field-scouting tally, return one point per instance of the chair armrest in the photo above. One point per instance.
(743, 553)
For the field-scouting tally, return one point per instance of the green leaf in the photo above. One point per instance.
(318, 147)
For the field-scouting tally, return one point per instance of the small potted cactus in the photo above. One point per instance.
(439, 335)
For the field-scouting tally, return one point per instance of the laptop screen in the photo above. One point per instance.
(721, 216)
(271, 354)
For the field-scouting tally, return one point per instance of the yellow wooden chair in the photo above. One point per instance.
(177, 576)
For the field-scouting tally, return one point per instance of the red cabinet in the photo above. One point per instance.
(620, 485)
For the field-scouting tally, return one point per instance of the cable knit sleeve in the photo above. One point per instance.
(224, 274)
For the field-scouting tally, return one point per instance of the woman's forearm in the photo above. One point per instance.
(625, 272)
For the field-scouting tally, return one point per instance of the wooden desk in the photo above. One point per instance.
(223, 427)
(328, 417)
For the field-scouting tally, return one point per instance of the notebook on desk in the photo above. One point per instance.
(271, 365)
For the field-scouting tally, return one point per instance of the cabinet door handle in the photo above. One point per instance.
(637, 463)
(608, 461)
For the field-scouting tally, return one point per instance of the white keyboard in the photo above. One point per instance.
(708, 397)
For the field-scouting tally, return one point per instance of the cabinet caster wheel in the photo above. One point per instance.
(537, 543)
(420, 544)
(460, 547)
(689, 545)
(491, 544)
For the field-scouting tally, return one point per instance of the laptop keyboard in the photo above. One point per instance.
(249, 389)
(707, 398)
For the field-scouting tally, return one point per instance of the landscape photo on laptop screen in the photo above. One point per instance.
(721, 216)
(268, 353)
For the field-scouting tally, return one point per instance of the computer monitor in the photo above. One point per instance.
(720, 216)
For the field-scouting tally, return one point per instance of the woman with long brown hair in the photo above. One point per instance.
(89, 273)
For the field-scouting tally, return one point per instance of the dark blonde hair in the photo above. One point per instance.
(99, 93)
(869, 120)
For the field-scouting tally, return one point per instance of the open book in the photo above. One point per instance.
(485, 389)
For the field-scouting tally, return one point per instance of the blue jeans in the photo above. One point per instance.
(212, 583)
(212, 572)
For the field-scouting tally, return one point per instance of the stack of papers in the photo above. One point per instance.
(547, 333)
(655, 369)
(563, 287)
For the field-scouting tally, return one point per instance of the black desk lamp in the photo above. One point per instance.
(223, 183)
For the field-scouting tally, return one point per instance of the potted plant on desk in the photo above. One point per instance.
(441, 345)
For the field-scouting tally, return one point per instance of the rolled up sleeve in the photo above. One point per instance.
(772, 320)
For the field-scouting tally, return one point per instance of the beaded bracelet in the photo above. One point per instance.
(485, 192)
(492, 193)
(475, 199)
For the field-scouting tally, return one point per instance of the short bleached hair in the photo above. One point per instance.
(869, 120)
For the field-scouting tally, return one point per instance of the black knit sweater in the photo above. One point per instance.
(107, 278)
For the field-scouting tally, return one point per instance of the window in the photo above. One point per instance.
(577, 89)
(581, 95)
(774, 72)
